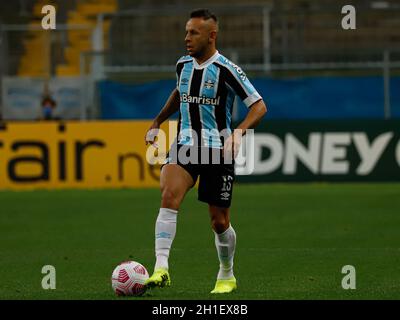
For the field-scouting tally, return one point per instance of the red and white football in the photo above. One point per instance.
(128, 279)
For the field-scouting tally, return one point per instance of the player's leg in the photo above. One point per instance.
(215, 188)
(175, 181)
(225, 242)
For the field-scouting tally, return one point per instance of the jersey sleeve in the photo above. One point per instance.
(241, 85)
(179, 66)
(178, 74)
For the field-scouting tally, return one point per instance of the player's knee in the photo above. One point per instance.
(169, 198)
(220, 223)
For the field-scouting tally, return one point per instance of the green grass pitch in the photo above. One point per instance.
(292, 242)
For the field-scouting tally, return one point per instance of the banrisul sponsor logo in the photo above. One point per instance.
(200, 100)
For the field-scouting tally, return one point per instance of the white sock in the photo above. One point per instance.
(225, 244)
(164, 234)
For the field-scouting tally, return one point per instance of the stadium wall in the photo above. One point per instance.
(298, 98)
(326, 150)
(112, 154)
(22, 97)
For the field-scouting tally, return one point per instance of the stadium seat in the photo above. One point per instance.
(82, 19)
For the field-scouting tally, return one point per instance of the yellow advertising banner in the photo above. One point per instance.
(98, 154)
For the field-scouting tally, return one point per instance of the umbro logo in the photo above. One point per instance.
(225, 196)
(184, 81)
(209, 84)
(163, 235)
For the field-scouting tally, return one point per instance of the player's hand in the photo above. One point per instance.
(232, 144)
(151, 134)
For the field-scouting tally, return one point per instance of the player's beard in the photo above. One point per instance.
(199, 53)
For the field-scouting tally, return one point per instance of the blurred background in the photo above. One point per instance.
(114, 59)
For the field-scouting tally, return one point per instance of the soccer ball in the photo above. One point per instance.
(128, 279)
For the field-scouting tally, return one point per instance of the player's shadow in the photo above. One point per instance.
(147, 294)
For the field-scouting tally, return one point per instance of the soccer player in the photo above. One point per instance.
(207, 84)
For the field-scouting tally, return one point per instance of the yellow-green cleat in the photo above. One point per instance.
(225, 286)
(160, 278)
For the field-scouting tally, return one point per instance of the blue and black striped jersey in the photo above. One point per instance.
(207, 94)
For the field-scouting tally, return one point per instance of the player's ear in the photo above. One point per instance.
(213, 35)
